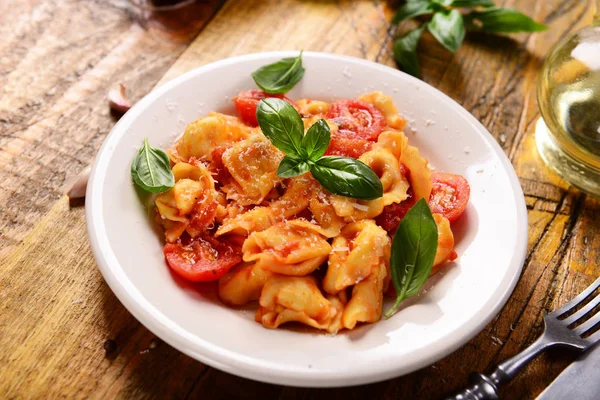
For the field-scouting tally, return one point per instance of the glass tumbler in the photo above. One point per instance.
(177, 21)
(568, 134)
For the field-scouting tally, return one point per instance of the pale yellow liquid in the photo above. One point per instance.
(569, 96)
(569, 101)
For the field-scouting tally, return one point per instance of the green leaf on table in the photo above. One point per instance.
(448, 28)
(316, 140)
(502, 20)
(412, 9)
(471, 3)
(291, 166)
(347, 177)
(413, 252)
(279, 77)
(281, 124)
(405, 51)
(151, 169)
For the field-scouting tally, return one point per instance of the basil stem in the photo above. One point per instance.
(151, 169)
(279, 77)
(413, 252)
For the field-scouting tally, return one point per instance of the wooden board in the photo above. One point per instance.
(62, 331)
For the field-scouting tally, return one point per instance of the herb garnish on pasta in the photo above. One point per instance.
(345, 176)
(413, 252)
(151, 169)
(279, 77)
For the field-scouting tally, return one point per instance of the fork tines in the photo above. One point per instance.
(588, 325)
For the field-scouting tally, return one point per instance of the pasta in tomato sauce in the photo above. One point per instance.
(304, 254)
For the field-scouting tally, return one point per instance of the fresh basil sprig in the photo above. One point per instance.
(279, 77)
(413, 252)
(283, 126)
(448, 25)
(151, 169)
(405, 51)
(448, 28)
(501, 20)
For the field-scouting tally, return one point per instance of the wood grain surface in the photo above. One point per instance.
(63, 334)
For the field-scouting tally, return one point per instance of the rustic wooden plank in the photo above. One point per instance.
(57, 315)
(58, 61)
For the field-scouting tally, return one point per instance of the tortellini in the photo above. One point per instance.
(367, 299)
(252, 164)
(291, 248)
(191, 205)
(445, 247)
(386, 105)
(203, 135)
(309, 256)
(297, 299)
(293, 201)
(360, 248)
(242, 284)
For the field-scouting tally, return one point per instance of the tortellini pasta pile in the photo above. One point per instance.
(306, 255)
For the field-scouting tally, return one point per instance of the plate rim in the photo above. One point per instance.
(242, 365)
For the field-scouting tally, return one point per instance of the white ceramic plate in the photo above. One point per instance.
(464, 297)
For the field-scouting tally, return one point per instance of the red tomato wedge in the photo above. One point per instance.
(391, 216)
(202, 259)
(246, 103)
(357, 119)
(342, 146)
(449, 195)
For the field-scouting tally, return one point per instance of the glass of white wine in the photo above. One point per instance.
(568, 134)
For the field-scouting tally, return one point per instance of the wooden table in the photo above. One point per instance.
(62, 331)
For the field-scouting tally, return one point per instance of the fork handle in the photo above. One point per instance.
(484, 387)
(481, 388)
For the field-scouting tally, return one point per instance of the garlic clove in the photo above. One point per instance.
(76, 186)
(118, 100)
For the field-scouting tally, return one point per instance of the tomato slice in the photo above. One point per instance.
(216, 167)
(449, 195)
(392, 214)
(340, 145)
(357, 119)
(202, 259)
(246, 103)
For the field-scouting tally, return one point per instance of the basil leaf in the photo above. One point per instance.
(316, 140)
(413, 252)
(279, 77)
(151, 169)
(292, 166)
(412, 9)
(281, 123)
(502, 20)
(471, 3)
(405, 51)
(347, 177)
(448, 28)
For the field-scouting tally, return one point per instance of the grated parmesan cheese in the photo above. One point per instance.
(360, 207)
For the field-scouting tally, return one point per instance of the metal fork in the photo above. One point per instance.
(557, 332)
